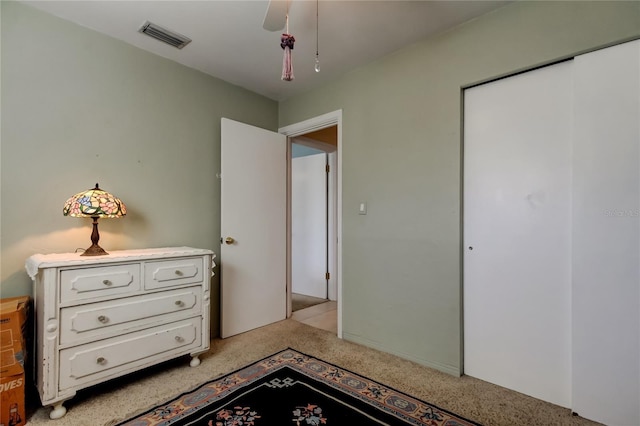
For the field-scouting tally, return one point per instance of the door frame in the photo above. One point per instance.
(330, 119)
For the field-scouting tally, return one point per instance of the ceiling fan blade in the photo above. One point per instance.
(275, 18)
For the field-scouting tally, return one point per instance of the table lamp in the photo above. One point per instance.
(94, 203)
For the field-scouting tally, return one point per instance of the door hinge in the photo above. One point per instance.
(327, 276)
(328, 168)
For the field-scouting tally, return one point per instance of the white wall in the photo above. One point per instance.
(309, 225)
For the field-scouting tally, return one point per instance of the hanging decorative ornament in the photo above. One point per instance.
(286, 42)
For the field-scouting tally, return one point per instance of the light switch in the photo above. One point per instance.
(363, 208)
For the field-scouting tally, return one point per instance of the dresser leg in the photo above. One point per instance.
(195, 361)
(57, 411)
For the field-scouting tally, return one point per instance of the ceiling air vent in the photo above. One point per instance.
(162, 34)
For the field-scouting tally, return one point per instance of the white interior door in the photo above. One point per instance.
(517, 240)
(253, 214)
(309, 225)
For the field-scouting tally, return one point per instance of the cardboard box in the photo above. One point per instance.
(14, 313)
(12, 403)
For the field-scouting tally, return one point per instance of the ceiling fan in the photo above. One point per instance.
(276, 16)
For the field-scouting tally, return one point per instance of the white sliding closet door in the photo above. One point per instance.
(606, 244)
(517, 240)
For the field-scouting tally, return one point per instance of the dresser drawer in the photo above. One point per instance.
(174, 272)
(98, 282)
(98, 361)
(105, 319)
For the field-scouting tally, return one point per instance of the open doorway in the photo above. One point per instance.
(308, 128)
(313, 201)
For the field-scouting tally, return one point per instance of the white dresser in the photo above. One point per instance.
(100, 317)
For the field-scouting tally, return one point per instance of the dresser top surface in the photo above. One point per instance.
(40, 261)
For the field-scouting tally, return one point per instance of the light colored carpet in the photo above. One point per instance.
(477, 400)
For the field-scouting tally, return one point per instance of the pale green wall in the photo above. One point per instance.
(402, 155)
(79, 108)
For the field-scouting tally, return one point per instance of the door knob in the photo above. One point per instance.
(229, 240)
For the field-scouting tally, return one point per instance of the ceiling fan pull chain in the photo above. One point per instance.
(317, 61)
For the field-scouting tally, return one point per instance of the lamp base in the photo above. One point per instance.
(94, 250)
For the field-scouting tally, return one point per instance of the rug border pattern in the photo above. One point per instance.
(399, 404)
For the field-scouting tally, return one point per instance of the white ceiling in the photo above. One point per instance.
(230, 43)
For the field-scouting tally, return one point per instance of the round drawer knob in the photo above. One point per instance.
(101, 361)
(179, 303)
(179, 339)
(178, 272)
(106, 282)
(103, 319)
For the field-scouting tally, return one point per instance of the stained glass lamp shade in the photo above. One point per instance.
(94, 203)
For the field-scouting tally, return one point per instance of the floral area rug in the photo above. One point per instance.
(291, 388)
